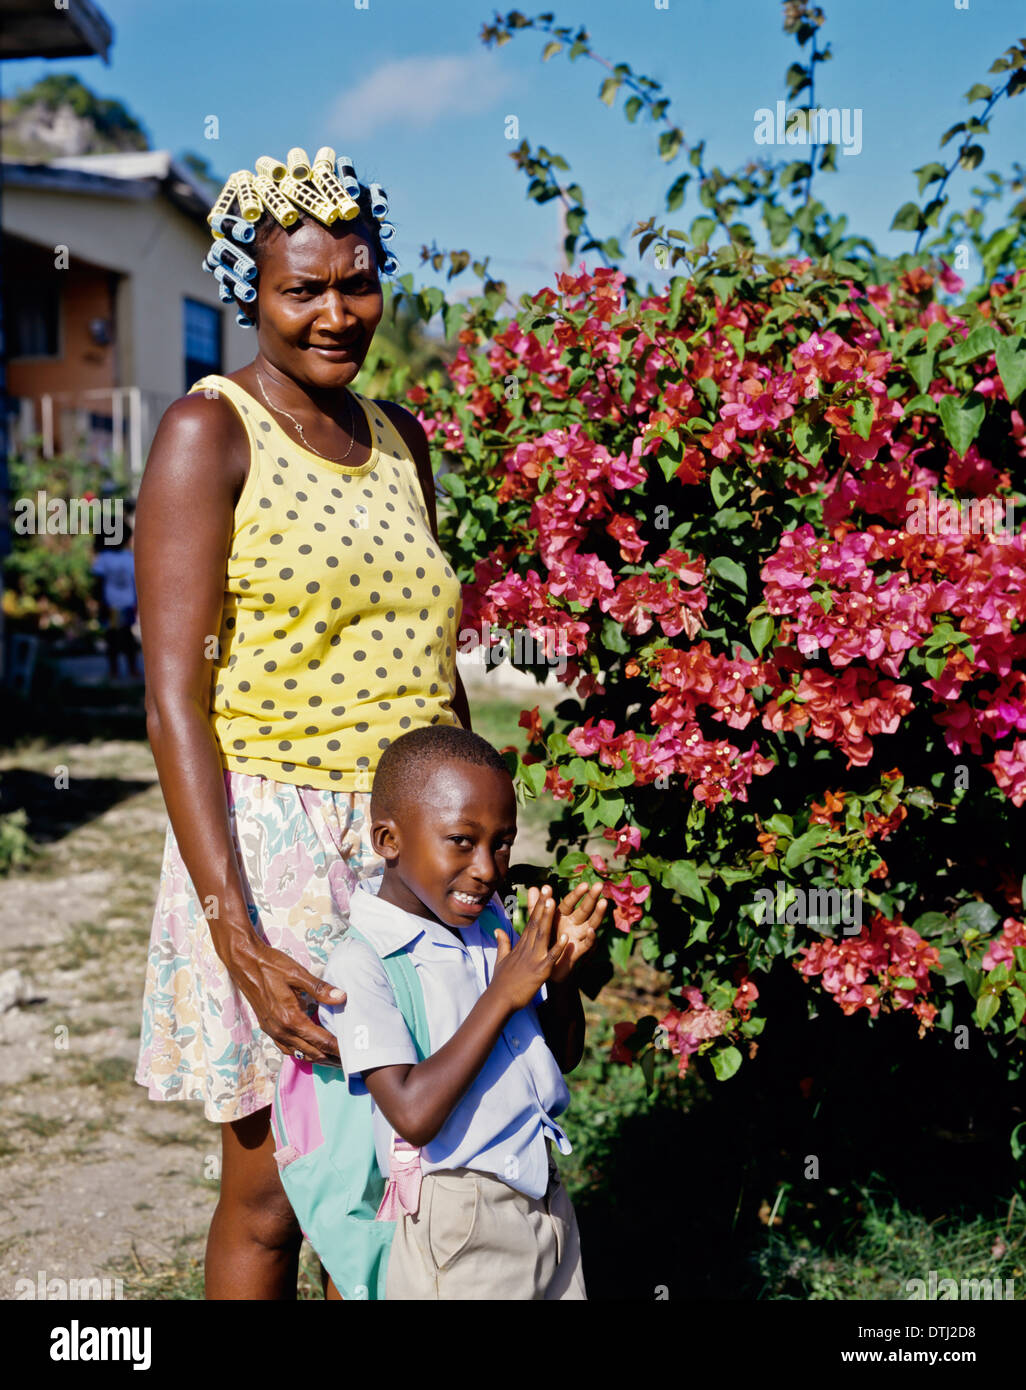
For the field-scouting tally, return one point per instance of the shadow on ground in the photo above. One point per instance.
(54, 808)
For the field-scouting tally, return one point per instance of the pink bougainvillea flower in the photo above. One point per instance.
(627, 838)
(627, 899)
(624, 530)
(1001, 950)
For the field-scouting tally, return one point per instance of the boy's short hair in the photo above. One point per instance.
(408, 761)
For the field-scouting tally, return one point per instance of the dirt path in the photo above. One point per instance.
(95, 1179)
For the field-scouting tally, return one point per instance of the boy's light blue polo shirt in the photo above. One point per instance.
(501, 1123)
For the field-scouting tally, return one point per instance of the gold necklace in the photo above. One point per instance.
(278, 410)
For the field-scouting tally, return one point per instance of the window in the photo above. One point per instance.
(202, 341)
(32, 318)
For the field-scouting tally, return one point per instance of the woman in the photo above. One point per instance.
(296, 613)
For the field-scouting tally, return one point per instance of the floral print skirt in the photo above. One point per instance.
(301, 852)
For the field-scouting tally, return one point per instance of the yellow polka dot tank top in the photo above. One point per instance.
(338, 631)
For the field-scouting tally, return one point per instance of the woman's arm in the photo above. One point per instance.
(413, 435)
(184, 521)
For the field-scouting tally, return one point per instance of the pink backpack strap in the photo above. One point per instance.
(402, 1190)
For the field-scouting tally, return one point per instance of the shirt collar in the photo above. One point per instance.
(390, 928)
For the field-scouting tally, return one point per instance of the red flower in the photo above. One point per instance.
(619, 1052)
(531, 721)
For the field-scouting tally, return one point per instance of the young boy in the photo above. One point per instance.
(492, 1219)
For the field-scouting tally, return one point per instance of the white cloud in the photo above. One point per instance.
(419, 90)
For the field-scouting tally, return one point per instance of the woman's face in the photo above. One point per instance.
(318, 302)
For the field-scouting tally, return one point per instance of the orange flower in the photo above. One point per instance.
(767, 843)
(824, 815)
(917, 281)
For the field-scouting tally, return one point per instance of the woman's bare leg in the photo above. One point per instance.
(254, 1240)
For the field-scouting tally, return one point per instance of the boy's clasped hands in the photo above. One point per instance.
(553, 943)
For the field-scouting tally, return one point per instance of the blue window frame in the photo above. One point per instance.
(202, 340)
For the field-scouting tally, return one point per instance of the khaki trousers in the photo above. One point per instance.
(475, 1237)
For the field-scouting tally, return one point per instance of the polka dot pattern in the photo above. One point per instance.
(311, 619)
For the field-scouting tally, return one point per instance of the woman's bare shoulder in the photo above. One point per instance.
(411, 430)
(200, 431)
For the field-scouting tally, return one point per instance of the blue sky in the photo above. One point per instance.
(408, 90)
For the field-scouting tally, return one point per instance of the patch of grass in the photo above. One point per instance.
(84, 943)
(97, 1024)
(173, 1136)
(106, 1072)
(42, 1126)
(891, 1246)
(181, 1280)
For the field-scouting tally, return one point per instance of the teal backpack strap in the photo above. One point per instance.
(402, 976)
(409, 996)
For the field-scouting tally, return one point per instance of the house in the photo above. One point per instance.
(108, 314)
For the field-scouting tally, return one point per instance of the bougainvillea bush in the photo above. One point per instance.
(750, 507)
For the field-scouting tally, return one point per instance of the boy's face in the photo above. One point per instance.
(449, 850)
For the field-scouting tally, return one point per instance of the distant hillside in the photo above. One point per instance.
(59, 116)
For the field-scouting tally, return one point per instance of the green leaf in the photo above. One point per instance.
(610, 808)
(725, 1062)
(609, 89)
(951, 965)
(929, 173)
(908, 218)
(675, 196)
(920, 369)
(979, 92)
(812, 439)
(862, 416)
(761, 631)
(551, 49)
(682, 877)
(1017, 1000)
(936, 334)
(1018, 1145)
(981, 341)
(534, 775)
(722, 486)
(620, 951)
(961, 420)
(971, 157)
(1010, 355)
(730, 572)
(632, 107)
(986, 1007)
(701, 230)
(780, 825)
(805, 845)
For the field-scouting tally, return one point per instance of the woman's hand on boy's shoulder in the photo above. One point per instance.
(577, 918)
